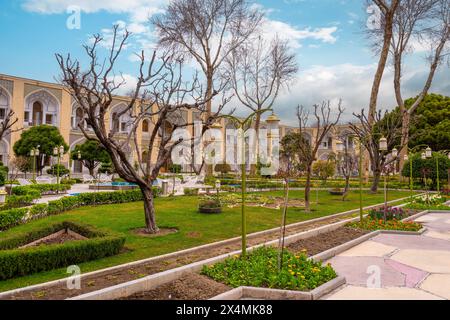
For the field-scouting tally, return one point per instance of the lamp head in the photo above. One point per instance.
(383, 144)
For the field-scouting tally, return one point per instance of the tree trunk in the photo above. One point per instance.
(381, 66)
(376, 181)
(149, 209)
(347, 187)
(308, 188)
(253, 167)
(406, 119)
(91, 171)
(283, 226)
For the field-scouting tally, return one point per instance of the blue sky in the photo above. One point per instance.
(326, 35)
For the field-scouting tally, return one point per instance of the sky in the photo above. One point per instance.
(327, 37)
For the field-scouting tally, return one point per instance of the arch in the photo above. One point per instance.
(145, 125)
(325, 156)
(50, 108)
(122, 124)
(4, 152)
(5, 99)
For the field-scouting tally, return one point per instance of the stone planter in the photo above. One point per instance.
(210, 210)
(336, 192)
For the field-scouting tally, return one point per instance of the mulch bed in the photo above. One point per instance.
(190, 287)
(326, 241)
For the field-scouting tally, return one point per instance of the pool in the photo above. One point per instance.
(113, 186)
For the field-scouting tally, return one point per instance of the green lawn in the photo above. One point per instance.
(194, 228)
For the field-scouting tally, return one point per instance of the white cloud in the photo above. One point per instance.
(353, 84)
(272, 28)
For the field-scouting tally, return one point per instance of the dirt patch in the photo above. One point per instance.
(326, 241)
(193, 235)
(190, 287)
(59, 237)
(162, 232)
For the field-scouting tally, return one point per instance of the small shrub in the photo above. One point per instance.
(19, 262)
(260, 269)
(190, 192)
(54, 170)
(11, 218)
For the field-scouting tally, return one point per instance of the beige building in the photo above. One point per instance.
(35, 102)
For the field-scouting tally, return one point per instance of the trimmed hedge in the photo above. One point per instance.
(11, 218)
(16, 262)
(41, 188)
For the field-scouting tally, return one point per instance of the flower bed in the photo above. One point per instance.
(394, 224)
(429, 202)
(16, 262)
(260, 269)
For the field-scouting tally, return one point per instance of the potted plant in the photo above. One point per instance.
(210, 206)
(336, 191)
(3, 195)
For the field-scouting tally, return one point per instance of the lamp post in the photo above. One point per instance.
(218, 189)
(272, 123)
(34, 153)
(59, 152)
(383, 147)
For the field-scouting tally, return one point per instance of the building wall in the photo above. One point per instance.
(20, 89)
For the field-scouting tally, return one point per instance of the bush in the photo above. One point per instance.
(11, 218)
(222, 168)
(19, 262)
(19, 201)
(54, 170)
(42, 189)
(260, 269)
(175, 168)
(3, 174)
(190, 192)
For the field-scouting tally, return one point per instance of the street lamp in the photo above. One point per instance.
(34, 153)
(59, 152)
(383, 148)
(272, 124)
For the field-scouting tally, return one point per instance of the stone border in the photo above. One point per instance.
(276, 294)
(191, 250)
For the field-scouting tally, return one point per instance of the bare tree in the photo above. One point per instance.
(387, 126)
(347, 161)
(160, 95)
(289, 169)
(426, 20)
(387, 9)
(257, 71)
(208, 31)
(308, 149)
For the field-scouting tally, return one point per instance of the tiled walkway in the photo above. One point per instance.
(393, 267)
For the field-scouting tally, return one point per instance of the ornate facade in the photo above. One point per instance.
(36, 102)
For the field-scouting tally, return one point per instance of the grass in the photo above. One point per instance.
(194, 228)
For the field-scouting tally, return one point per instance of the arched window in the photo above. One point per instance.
(145, 126)
(37, 114)
(122, 123)
(4, 105)
(79, 117)
(41, 108)
(3, 153)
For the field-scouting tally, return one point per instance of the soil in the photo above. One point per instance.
(162, 232)
(325, 241)
(65, 237)
(110, 278)
(190, 287)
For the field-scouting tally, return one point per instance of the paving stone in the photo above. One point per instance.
(427, 218)
(413, 242)
(361, 293)
(428, 260)
(438, 235)
(369, 249)
(355, 270)
(438, 284)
